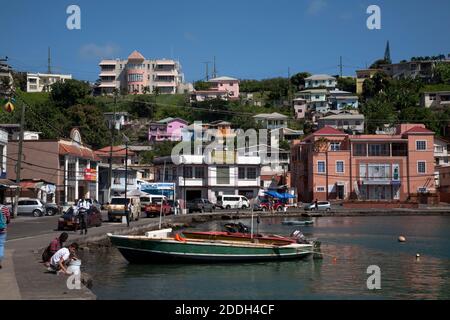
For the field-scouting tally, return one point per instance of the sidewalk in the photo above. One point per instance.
(8, 283)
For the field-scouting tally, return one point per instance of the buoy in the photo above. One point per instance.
(401, 239)
(417, 256)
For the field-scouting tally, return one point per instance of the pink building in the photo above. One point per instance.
(138, 75)
(332, 165)
(169, 129)
(224, 88)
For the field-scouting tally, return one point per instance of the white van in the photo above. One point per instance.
(232, 202)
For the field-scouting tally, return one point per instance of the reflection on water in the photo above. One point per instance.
(357, 243)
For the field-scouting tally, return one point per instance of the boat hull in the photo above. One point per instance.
(141, 250)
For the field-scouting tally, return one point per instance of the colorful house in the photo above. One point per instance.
(169, 129)
(332, 165)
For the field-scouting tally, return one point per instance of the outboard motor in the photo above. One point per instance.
(299, 236)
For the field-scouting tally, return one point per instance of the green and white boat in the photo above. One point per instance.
(161, 246)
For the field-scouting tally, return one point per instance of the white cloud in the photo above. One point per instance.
(93, 50)
(315, 6)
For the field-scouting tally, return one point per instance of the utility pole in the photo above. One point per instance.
(127, 212)
(49, 70)
(340, 66)
(207, 69)
(113, 131)
(289, 87)
(19, 159)
(214, 70)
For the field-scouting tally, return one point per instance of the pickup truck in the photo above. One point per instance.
(200, 205)
(154, 208)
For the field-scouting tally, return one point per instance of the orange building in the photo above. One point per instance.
(332, 165)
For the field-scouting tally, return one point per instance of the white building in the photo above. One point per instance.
(320, 81)
(343, 121)
(42, 82)
(3, 153)
(316, 99)
(440, 99)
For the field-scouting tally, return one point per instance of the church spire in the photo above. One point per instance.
(387, 53)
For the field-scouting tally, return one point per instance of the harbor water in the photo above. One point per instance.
(350, 245)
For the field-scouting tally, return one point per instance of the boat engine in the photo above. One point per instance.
(300, 237)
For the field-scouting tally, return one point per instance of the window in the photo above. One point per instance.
(360, 150)
(223, 175)
(188, 172)
(339, 166)
(251, 173)
(379, 171)
(438, 149)
(422, 190)
(421, 145)
(199, 172)
(335, 146)
(378, 150)
(321, 166)
(320, 189)
(241, 173)
(362, 171)
(421, 167)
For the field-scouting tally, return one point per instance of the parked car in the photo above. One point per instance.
(232, 202)
(148, 199)
(68, 221)
(157, 207)
(321, 206)
(92, 202)
(268, 206)
(27, 206)
(116, 208)
(51, 208)
(200, 205)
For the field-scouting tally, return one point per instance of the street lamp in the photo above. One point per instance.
(127, 213)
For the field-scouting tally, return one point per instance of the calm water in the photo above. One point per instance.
(357, 243)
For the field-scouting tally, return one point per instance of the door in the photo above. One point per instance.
(340, 192)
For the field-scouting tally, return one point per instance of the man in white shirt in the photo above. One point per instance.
(83, 206)
(61, 257)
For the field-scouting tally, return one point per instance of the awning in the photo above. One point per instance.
(278, 195)
(8, 184)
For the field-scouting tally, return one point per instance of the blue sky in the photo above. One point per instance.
(250, 38)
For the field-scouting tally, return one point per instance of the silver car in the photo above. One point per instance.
(321, 206)
(30, 206)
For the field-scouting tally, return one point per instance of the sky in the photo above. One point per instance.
(251, 39)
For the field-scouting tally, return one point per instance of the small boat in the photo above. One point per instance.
(298, 223)
(163, 246)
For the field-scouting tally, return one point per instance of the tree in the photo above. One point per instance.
(346, 84)
(202, 85)
(421, 115)
(212, 110)
(377, 84)
(69, 93)
(378, 111)
(91, 123)
(377, 64)
(442, 73)
(20, 80)
(298, 80)
(142, 107)
(161, 149)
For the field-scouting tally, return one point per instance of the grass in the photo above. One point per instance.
(436, 87)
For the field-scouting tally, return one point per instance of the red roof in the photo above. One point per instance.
(419, 130)
(81, 152)
(325, 131)
(118, 151)
(136, 55)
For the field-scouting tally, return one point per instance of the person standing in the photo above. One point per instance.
(83, 207)
(5, 218)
